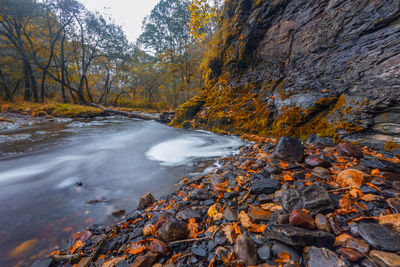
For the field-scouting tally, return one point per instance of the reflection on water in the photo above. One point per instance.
(116, 160)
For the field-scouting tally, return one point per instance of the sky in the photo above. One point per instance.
(127, 13)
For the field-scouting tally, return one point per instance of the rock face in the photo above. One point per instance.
(301, 67)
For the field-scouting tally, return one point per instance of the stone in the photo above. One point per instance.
(377, 236)
(313, 198)
(188, 213)
(264, 253)
(146, 200)
(278, 248)
(264, 186)
(380, 164)
(319, 142)
(158, 246)
(257, 214)
(351, 254)
(199, 251)
(349, 150)
(173, 230)
(357, 244)
(199, 194)
(322, 223)
(264, 198)
(273, 168)
(317, 161)
(299, 237)
(301, 219)
(318, 257)
(245, 250)
(335, 226)
(145, 260)
(351, 177)
(321, 173)
(228, 215)
(385, 259)
(289, 149)
(394, 205)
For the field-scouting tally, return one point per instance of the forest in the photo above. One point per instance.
(57, 50)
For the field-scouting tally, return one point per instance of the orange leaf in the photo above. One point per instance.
(113, 262)
(135, 248)
(77, 245)
(375, 172)
(193, 228)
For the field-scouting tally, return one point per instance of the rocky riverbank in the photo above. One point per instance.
(276, 203)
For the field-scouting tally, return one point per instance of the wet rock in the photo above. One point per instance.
(335, 226)
(351, 177)
(380, 164)
(264, 198)
(322, 223)
(199, 251)
(299, 237)
(385, 259)
(378, 236)
(188, 213)
(257, 214)
(318, 257)
(314, 198)
(317, 161)
(301, 219)
(322, 173)
(289, 149)
(319, 142)
(279, 248)
(357, 244)
(245, 250)
(264, 253)
(228, 215)
(145, 260)
(149, 230)
(173, 230)
(118, 213)
(146, 200)
(394, 204)
(157, 246)
(349, 150)
(264, 186)
(200, 194)
(351, 254)
(273, 168)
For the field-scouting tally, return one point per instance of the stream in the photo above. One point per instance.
(49, 173)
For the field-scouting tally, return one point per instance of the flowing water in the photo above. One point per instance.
(42, 201)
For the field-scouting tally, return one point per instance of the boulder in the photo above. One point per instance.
(146, 200)
(289, 149)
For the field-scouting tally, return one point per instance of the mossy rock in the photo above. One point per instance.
(187, 111)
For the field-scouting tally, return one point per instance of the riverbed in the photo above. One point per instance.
(58, 178)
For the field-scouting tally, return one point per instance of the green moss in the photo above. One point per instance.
(187, 111)
(390, 145)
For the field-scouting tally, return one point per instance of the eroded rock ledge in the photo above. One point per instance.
(298, 67)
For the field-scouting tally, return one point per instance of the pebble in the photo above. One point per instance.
(321, 257)
(245, 250)
(257, 214)
(199, 251)
(322, 173)
(377, 236)
(385, 259)
(146, 200)
(350, 178)
(264, 253)
(301, 219)
(349, 150)
(228, 215)
(322, 223)
(173, 230)
(317, 161)
(279, 247)
(289, 149)
(351, 254)
(264, 186)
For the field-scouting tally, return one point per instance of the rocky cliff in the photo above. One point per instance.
(298, 67)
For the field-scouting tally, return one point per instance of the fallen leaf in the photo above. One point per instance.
(113, 262)
(135, 248)
(149, 230)
(193, 228)
(245, 221)
(78, 244)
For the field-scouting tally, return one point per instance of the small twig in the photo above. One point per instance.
(194, 239)
(96, 250)
(245, 197)
(341, 189)
(69, 257)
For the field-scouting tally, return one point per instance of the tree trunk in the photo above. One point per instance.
(5, 86)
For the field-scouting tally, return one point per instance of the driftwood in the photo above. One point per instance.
(128, 114)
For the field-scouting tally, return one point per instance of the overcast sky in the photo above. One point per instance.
(127, 13)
